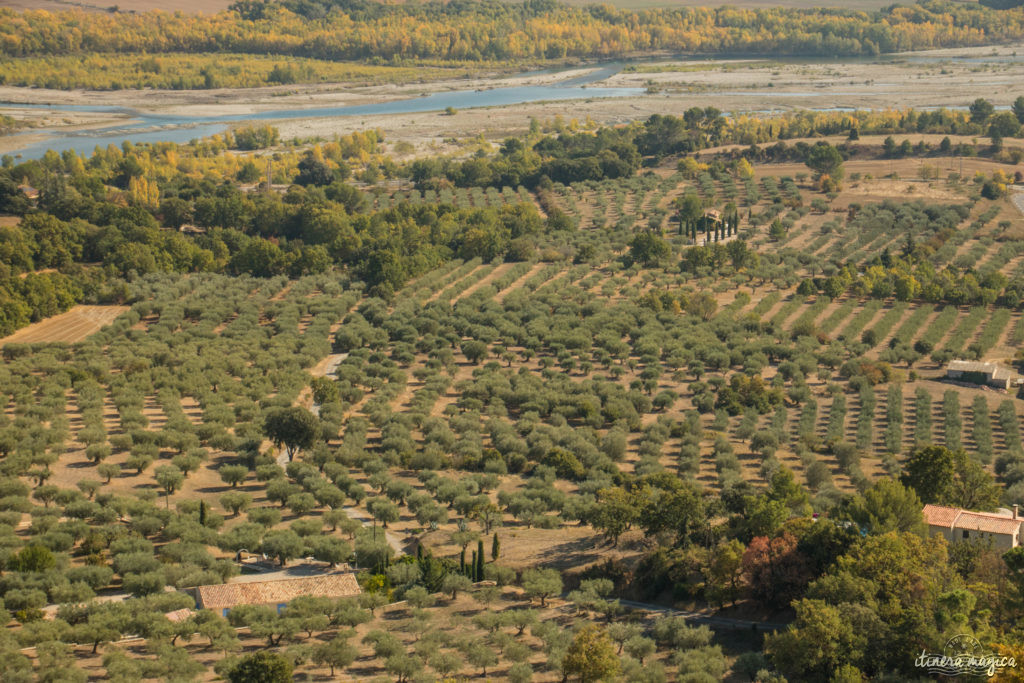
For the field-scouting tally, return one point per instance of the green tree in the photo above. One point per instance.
(1018, 109)
(481, 656)
(169, 478)
(446, 663)
(929, 471)
(981, 109)
(944, 477)
(897, 587)
(1003, 125)
(639, 648)
(262, 667)
(824, 159)
(404, 666)
(591, 656)
(293, 427)
(616, 510)
(233, 474)
(56, 664)
(691, 207)
(542, 583)
(32, 558)
(284, 544)
(104, 624)
(235, 501)
(108, 471)
(454, 582)
(335, 653)
(649, 249)
(725, 572)
(474, 351)
(331, 550)
(383, 510)
(819, 643)
(973, 487)
(886, 506)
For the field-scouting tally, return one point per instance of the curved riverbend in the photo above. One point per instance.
(181, 129)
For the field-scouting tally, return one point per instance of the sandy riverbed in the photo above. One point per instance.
(730, 85)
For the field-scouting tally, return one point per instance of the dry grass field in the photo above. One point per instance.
(69, 327)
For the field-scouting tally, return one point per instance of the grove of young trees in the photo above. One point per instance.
(511, 357)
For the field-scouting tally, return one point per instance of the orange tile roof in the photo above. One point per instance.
(992, 524)
(988, 522)
(178, 615)
(218, 596)
(939, 515)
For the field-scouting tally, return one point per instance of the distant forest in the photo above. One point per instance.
(363, 30)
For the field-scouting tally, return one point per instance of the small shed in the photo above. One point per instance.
(976, 372)
(222, 598)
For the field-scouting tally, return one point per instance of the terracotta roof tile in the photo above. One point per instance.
(992, 524)
(219, 596)
(178, 615)
(938, 515)
(954, 518)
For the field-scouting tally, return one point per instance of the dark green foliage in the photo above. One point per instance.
(262, 667)
(294, 427)
(649, 249)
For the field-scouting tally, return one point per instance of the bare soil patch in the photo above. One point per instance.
(71, 326)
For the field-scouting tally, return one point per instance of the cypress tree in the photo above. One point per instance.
(472, 568)
(495, 547)
(480, 559)
(462, 561)
(202, 513)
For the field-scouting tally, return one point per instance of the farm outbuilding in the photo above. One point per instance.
(976, 372)
(222, 598)
(1002, 528)
(29, 191)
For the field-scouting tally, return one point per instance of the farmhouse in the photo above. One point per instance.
(977, 372)
(222, 598)
(954, 524)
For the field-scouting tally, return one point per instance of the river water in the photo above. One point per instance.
(142, 127)
(181, 129)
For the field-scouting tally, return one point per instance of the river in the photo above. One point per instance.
(181, 129)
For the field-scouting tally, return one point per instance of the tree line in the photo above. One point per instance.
(502, 31)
